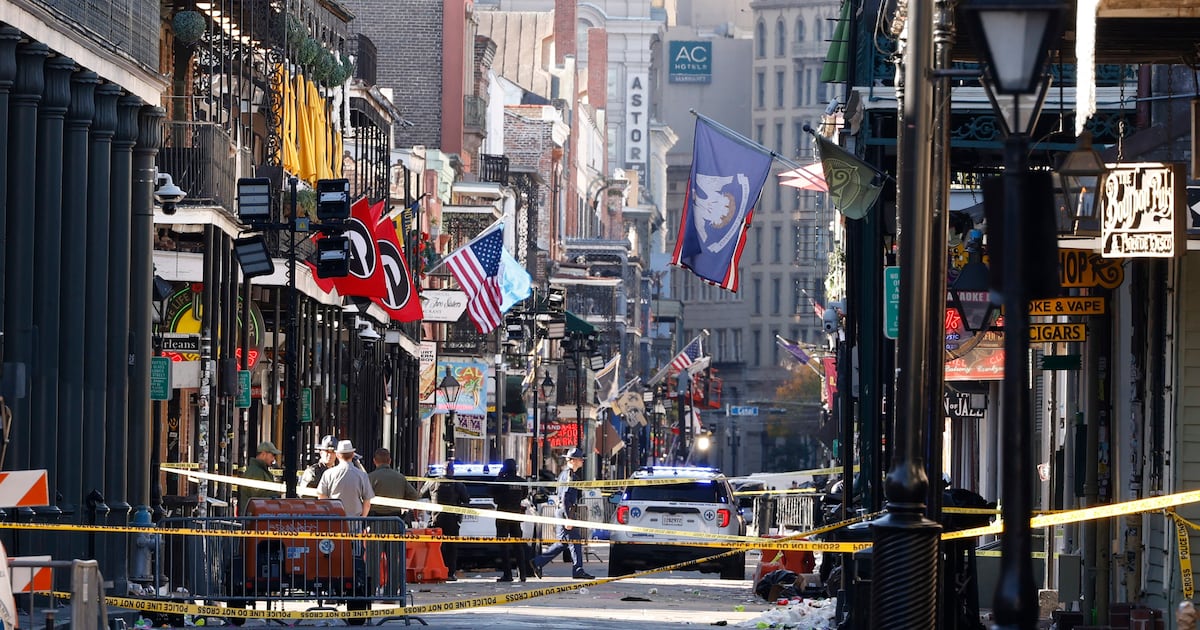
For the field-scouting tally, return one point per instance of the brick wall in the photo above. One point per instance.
(408, 38)
(597, 67)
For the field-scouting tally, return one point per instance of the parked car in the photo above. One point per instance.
(702, 501)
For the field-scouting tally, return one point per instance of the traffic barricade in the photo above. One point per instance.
(34, 577)
(424, 563)
(243, 561)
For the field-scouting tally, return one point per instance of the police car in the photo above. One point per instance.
(702, 501)
(475, 478)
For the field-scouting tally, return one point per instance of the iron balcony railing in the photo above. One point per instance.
(493, 168)
(204, 161)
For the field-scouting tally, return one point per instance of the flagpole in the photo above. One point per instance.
(878, 172)
(482, 234)
(734, 135)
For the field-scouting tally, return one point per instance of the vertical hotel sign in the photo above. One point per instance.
(691, 62)
(1142, 210)
(637, 115)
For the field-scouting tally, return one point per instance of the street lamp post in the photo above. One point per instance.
(1012, 76)
(449, 388)
(547, 390)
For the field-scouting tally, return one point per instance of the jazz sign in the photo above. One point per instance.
(1142, 210)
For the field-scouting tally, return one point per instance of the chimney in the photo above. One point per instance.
(564, 29)
(597, 68)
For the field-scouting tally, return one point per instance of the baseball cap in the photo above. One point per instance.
(268, 447)
(328, 443)
(575, 453)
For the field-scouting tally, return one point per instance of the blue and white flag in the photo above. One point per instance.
(728, 173)
(515, 283)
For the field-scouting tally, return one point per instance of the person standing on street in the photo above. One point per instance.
(568, 536)
(258, 469)
(326, 459)
(447, 491)
(509, 497)
(389, 482)
(347, 483)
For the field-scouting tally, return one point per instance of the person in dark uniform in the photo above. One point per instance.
(326, 459)
(447, 491)
(510, 498)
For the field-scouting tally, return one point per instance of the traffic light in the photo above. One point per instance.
(333, 199)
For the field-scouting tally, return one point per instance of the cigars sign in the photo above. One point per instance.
(1142, 210)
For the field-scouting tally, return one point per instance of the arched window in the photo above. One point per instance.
(799, 29)
(761, 39)
(780, 39)
(817, 29)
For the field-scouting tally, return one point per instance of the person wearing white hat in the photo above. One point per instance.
(568, 536)
(347, 483)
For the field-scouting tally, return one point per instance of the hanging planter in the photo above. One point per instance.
(308, 51)
(188, 26)
(296, 33)
(322, 67)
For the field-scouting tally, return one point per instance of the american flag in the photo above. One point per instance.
(686, 357)
(477, 267)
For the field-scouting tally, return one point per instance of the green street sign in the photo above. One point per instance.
(160, 378)
(891, 302)
(243, 395)
(306, 404)
(1061, 362)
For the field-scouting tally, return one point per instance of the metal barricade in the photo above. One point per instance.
(247, 560)
(88, 609)
(798, 512)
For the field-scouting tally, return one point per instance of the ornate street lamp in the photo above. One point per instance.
(546, 387)
(1078, 175)
(1013, 39)
(450, 388)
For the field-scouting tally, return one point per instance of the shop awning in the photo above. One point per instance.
(837, 60)
(579, 326)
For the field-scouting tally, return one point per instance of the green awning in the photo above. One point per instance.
(577, 325)
(837, 59)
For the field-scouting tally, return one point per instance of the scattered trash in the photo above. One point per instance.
(654, 591)
(811, 614)
(583, 591)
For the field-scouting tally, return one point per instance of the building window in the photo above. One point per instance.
(779, 85)
(798, 131)
(822, 92)
(757, 290)
(775, 353)
(816, 29)
(776, 300)
(760, 37)
(758, 243)
(737, 345)
(755, 347)
(798, 77)
(777, 244)
(800, 29)
(760, 88)
(758, 131)
(719, 355)
(808, 81)
(780, 39)
(779, 133)
(797, 297)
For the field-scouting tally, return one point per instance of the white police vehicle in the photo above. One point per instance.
(475, 478)
(702, 501)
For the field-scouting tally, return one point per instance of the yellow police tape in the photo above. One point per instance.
(1187, 580)
(175, 607)
(1087, 514)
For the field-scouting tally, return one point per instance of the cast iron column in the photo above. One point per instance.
(116, 469)
(95, 296)
(74, 316)
(291, 411)
(18, 314)
(1016, 604)
(141, 297)
(9, 37)
(47, 269)
(904, 579)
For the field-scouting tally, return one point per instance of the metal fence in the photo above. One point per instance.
(88, 610)
(242, 570)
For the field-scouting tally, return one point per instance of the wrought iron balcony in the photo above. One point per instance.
(204, 161)
(493, 168)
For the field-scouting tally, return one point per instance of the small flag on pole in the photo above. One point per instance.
(852, 182)
(685, 358)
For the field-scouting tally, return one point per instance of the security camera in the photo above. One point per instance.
(167, 194)
(368, 335)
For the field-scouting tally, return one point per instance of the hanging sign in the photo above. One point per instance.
(1142, 211)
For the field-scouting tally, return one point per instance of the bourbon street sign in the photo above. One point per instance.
(1142, 210)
